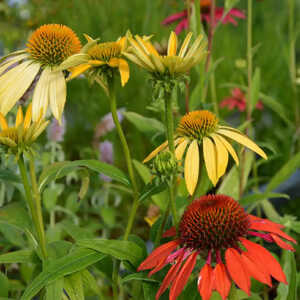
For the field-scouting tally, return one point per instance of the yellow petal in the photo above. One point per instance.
(9, 61)
(194, 46)
(191, 167)
(40, 99)
(57, 93)
(96, 62)
(180, 149)
(151, 48)
(157, 62)
(156, 151)
(88, 38)
(172, 44)
(210, 159)
(244, 140)
(185, 45)
(3, 122)
(76, 71)
(73, 61)
(222, 156)
(123, 68)
(28, 116)
(137, 61)
(19, 118)
(229, 148)
(123, 43)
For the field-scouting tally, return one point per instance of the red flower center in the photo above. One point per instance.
(213, 222)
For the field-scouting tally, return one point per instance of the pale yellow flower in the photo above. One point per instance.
(21, 136)
(36, 65)
(143, 53)
(96, 56)
(200, 132)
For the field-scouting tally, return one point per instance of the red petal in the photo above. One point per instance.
(183, 276)
(237, 270)
(205, 282)
(174, 17)
(158, 267)
(169, 277)
(222, 280)
(257, 219)
(170, 232)
(256, 270)
(159, 253)
(265, 258)
(271, 228)
(281, 243)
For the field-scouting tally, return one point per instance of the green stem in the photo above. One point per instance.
(162, 226)
(126, 151)
(34, 201)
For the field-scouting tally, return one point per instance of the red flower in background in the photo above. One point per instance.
(238, 100)
(215, 227)
(182, 17)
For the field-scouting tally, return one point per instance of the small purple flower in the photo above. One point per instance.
(56, 132)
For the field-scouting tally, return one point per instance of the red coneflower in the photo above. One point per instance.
(215, 227)
(182, 17)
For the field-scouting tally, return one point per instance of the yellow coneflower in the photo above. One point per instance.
(96, 57)
(37, 65)
(200, 130)
(21, 136)
(143, 53)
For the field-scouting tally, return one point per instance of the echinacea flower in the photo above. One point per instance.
(182, 17)
(238, 100)
(143, 53)
(199, 131)
(20, 137)
(47, 48)
(216, 228)
(97, 58)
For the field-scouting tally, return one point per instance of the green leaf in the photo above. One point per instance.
(61, 169)
(74, 287)
(4, 285)
(138, 276)
(123, 250)
(78, 260)
(150, 290)
(258, 197)
(289, 291)
(90, 282)
(152, 189)
(284, 173)
(76, 232)
(54, 290)
(146, 125)
(13, 234)
(21, 256)
(9, 176)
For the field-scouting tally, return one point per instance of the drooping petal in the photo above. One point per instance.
(76, 71)
(270, 228)
(179, 151)
(19, 118)
(123, 68)
(183, 276)
(158, 267)
(191, 167)
(237, 270)
(263, 256)
(222, 280)
(161, 252)
(169, 277)
(281, 243)
(229, 148)
(57, 93)
(210, 159)
(222, 156)
(172, 44)
(185, 45)
(156, 151)
(256, 270)
(205, 282)
(244, 140)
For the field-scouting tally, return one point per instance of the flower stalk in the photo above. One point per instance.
(33, 198)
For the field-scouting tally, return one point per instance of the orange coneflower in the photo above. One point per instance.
(216, 227)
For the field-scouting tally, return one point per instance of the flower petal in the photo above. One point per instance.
(156, 151)
(257, 219)
(237, 270)
(222, 156)
(264, 257)
(229, 148)
(28, 116)
(19, 118)
(76, 71)
(185, 45)
(244, 140)
(222, 280)
(191, 167)
(205, 282)
(161, 252)
(256, 270)
(281, 243)
(210, 159)
(170, 232)
(3, 122)
(169, 277)
(180, 149)
(123, 68)
(195, 46)
(183, 276)
(172, 44)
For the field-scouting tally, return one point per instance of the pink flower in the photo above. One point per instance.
(181, 17)
(56, 132)
(238, 100)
